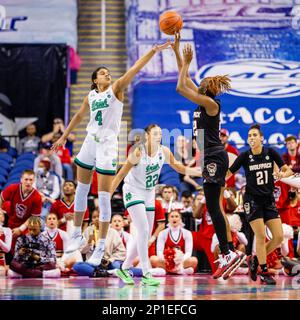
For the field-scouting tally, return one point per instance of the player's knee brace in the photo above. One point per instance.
(104, 206)
(80, 202)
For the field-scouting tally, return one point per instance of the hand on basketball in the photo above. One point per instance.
(175, 44)
(187, 53)
(158, 48)
(59, 143)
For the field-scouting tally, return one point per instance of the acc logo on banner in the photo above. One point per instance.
(257, 78)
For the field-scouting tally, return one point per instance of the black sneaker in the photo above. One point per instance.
(99, 272)
(253, 265)
(267, 278)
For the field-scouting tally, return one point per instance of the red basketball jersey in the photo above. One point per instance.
(60, 208)
(21, 208)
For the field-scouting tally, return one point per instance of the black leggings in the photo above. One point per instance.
(212, 195)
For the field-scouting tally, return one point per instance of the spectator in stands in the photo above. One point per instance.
(184, 154)
(5, 243)
(4, 145)
(25, 201)
(169, 196)
(48, 186)
(224, 135)
(59, 127)
(65, 158)
(31, 142)
(179, 240)
(64, 208)
(46, 152)
(187, 211)
(292, 157)
(34, 254)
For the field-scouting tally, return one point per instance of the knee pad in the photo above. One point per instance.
(81, 194)
(104, 206)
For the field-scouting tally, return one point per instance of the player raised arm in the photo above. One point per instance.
(178, 166)
(182, 88)
(175, 47)
(120, 85)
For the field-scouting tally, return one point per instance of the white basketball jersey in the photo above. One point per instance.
(105, 114)
(146, 173)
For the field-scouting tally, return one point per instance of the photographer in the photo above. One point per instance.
(35, 255)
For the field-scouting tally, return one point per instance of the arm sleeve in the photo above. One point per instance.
(188, 248)
(160, 244)
(276, 157)
(6, 246)
(239, 161)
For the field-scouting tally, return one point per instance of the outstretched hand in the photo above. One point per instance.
(175, 44)
(158, 48)
(59, 143)
(187, 53)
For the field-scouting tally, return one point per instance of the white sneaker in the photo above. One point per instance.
(188, 270)
(54, 273)
(13, 275)
(96, 257)
(76, 242)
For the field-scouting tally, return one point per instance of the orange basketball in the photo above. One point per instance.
(170, 22)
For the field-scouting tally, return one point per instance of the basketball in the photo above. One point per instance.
(170, 22)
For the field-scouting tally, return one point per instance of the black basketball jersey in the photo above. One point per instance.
(258, 170)
(210, 126)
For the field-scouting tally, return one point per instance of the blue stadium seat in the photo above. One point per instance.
(4, 164)
(2, 180)
(3, 172)
(13, 152)
(26, 156)
(25, 164)
(15, 175)
(6, 157)
(17, 169)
